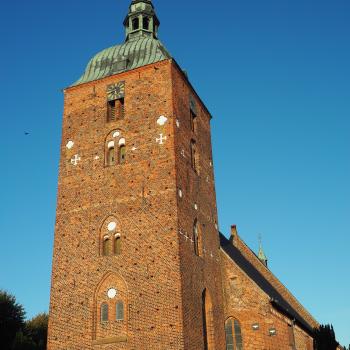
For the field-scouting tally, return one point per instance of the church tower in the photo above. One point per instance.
(136, 261)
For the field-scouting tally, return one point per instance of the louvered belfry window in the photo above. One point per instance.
(111, 113)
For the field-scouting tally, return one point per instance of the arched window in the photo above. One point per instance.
(135, 23)
(104, 312)
(107, 246)
(207, 314)
(111, 156)
(195, 237)
(233, 335)
(119, 311)
(122, 154)
(117, 245)
(145, 23)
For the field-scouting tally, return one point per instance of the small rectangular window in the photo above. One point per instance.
(111, 111)
(193, 121)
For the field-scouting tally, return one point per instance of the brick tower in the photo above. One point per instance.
(136, 260)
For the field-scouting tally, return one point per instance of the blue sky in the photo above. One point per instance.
(275, 75)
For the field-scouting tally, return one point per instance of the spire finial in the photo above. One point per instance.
(261, 254)
(141, 21)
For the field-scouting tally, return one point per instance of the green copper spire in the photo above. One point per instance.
(261, 255)
(141, 21)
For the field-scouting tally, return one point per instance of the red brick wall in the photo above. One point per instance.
(246, 302)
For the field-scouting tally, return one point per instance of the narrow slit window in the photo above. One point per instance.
(104, 312)
(119, 311)
(193, 121)
(122, 154)
(106, 250)
(195, 238)
(238, 335)
(229, 335)
(111, 156)
(117, 246)
(194, 156)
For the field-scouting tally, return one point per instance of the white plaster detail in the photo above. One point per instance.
(70, 144)
(134, 148)
(183, 153)
(112, 226)
(75, 160)
(116, 134)
(117, 235)
(122, 142)
(211, 254)
(111, 293)
(105, 238)
(110, 144)
(161, 139)
(162, 120)
(177, 123)
(97, 157)
(180, 193)
(211, 163)
(207, 179)
(196, 206)
(216, 226)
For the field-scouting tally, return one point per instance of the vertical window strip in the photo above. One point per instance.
(119, 311)
(229, 335)
(238, 335)
(104, 312)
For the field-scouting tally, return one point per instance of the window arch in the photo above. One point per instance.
(208, 325)
(233, 332)
(104, 312)
(111, 156)
(107, 246)
(122, 154)
(117, 245)
(119, 311)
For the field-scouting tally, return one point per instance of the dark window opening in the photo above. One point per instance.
(135, 24)
(111, 111)
(229, 335)
(146, 23)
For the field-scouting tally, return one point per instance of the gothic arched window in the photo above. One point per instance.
(119, 311)
(122, 154)
(117, 245)
(104, 312)
(207, 314)
(107, 246)
(233, 334)
(111, 156)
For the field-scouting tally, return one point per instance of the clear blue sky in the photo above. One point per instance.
(275, 75)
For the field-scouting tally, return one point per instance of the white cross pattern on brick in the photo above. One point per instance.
(161, 139)
(75, 160)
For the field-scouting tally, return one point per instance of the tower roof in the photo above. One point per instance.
(141, 46)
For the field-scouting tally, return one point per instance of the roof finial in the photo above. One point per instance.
(141, 21)
(261, 255)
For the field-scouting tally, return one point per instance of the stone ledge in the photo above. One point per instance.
(120, 339)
